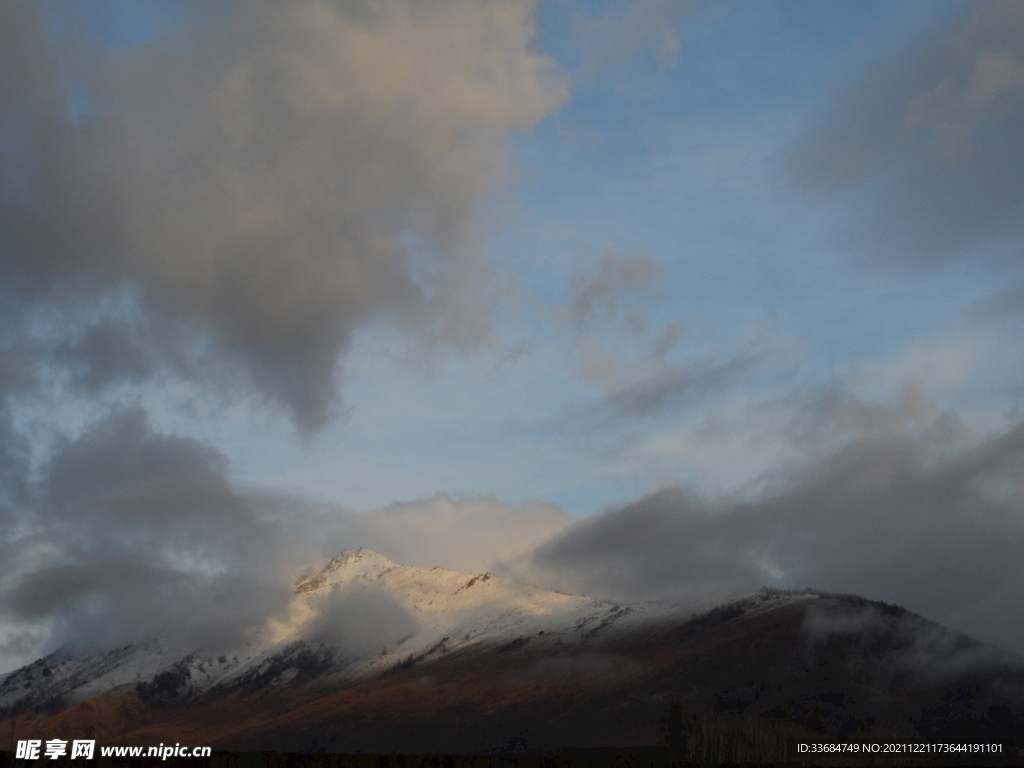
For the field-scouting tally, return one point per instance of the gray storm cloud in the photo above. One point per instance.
(928, 147)
(928, 521)
(135, 533)
(259, 177)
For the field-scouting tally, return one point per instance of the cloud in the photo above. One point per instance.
(669, 389)
(618, 345)
(931, 519)
(602, 293)
(360, 620)
(470, 535)
(105, 353)
(609, 40)
(928, 146)
(928, 651)
(132, 533)
(14, 463)
(17, 373)
(264, 179)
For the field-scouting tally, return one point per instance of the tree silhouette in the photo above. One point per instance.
(673, 728)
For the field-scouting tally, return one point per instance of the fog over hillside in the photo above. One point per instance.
(670, 303)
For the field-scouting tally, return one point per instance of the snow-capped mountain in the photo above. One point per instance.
(358, 614)
(374, 656)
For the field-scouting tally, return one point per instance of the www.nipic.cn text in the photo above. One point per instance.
(34, 749)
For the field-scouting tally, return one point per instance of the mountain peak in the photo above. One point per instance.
(350, 564)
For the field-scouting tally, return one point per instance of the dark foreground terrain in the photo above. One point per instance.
(569, 758)
(747, 682)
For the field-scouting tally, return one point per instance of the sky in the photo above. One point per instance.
(666, 300)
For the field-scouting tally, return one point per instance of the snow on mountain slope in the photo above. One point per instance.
(440, 610)
(64, 677)
(360, 614)
(447, 603)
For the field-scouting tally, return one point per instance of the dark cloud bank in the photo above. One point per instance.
(886, 518)
(134, 533)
